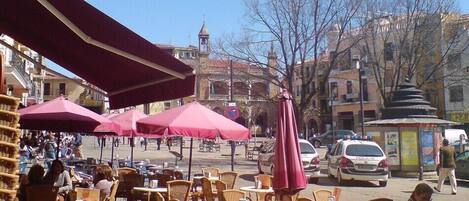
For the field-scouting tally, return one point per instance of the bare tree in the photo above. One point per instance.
(403, 38)
(299, 32)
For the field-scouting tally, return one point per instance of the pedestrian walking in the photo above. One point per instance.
(49, 150)
(158, 143)
(447, 166)
(77, 142)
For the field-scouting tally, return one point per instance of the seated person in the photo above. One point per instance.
(422, 192)
(103, 179)
(58, 177)
(34, 178)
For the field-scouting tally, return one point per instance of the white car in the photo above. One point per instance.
(309, 157)
(358, 160)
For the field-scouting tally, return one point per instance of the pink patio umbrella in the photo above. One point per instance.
(61, 115)
(127, 121)
(288, 173)
(193, 120)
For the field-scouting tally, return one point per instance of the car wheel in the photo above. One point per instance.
(340, 181)
(317, 144)
(259, 168)
(383, 183)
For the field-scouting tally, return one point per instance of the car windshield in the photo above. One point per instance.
(306, 148)
(363, 150)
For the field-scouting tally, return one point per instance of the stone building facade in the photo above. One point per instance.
(253, 92)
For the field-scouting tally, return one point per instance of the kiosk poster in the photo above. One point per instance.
(392, 147)
(409, 151)
(426, 144)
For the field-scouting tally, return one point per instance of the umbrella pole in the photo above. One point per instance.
(112, 153)
(132, 143)
(58, 147)
(233, 147)
(101, 153)
(190, 161)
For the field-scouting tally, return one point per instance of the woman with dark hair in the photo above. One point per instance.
(422, 192)
(58, 177)
(103, 179)
(34, 178)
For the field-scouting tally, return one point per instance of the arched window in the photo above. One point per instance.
(240, 88)
(259, 89)
(218, 88)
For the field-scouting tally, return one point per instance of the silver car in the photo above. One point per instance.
(309, 157)
(462, 165)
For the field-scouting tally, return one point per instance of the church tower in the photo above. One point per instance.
(272, 65)
(202, 88)
(204, 43)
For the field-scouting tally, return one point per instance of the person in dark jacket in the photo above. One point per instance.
(35, 178)
(447, 166)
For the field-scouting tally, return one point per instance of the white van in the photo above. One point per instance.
(454, 135)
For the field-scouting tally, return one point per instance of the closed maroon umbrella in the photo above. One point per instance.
(62, 115)
(97, 48)
(288, 172)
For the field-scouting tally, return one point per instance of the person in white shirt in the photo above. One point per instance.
(103, 179)
(58, 177)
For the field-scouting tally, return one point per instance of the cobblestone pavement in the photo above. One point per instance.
(397, 188)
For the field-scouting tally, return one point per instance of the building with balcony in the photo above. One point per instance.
(456, 72)
(22, 77)
(75, 90)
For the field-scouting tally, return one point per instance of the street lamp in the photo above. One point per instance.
(362, 113)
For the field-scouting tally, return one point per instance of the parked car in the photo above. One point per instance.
(309, 157)
(326, 138)
(462, 165)
(358, 160)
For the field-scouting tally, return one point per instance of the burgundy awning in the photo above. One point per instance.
(98, 49)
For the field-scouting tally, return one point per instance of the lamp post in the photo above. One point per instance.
(362, 113)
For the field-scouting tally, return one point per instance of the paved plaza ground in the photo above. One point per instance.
(397, 188)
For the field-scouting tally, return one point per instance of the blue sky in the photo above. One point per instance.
(178, 22)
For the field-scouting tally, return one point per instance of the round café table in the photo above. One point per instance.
(260, 193)
(151, 190)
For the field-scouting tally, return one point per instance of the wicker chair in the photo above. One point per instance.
(41, 193)
(158, 197)
(179, 190)
(214, 172)
(229, 178)
(269, 197)
(112, 195)
(337, 192)
(121, 172)
(207, 190)
(322, 194)
(132, 180)
(125, 170)
(233, 195)
(221, 186)
(284, 197)
(266, 180)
